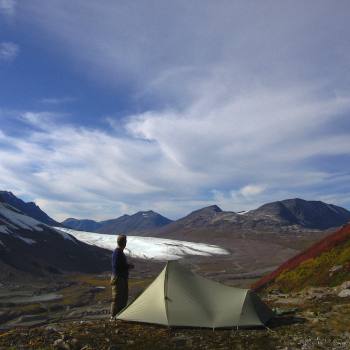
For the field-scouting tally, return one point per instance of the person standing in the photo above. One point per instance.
(119, 278)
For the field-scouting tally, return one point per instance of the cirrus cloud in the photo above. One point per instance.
(237, 104)
(175, 161)
(8, 51)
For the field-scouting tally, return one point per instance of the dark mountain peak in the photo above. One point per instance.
(211, 209)
(31, 209)
(215, 208)
(69, 219)
(146, 212)
(7, 197)
(81, 225)
(202, 215)
(310, 214)
(7, 193)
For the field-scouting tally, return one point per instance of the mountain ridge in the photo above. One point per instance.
(309, 214)
(138, 222)
(29, 208)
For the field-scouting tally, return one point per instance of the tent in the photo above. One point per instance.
(179, 297)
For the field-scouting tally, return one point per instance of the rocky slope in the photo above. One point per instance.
(31, 246)
(326, 263)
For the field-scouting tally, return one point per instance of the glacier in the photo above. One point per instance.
(155, 248)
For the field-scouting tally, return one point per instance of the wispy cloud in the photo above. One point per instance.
(237, 153)
(57, 100)
(8, 7)
(172, 57)
(239, 104)
(8, 51)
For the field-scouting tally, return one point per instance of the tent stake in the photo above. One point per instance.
(269, 329)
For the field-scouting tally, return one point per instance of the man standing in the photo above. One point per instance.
(119, 278)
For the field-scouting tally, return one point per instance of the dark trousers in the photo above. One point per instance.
(119, 294)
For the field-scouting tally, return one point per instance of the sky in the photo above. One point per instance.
(111, 107)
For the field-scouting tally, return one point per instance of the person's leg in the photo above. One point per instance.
(125, 293)
(122, 293)
(114, 303)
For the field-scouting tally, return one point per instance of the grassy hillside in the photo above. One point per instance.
(326, 263)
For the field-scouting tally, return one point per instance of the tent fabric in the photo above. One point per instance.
(179, 297)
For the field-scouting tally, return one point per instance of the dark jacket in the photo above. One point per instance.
(120, 266)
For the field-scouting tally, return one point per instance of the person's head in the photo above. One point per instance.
(121, 240)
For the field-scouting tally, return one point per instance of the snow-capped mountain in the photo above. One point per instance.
(29, 245)
(28, 208)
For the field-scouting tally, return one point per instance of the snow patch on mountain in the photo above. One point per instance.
(20, 220)
(148, 247)
(13, 220)
(242, 212)
(3, 229)
(26, 240)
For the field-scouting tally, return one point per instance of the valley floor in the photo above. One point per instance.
(72, 313)
(303, 330)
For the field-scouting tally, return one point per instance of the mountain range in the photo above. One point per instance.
(142, 221)
(286, 216)
(29, 243)
(281, 216)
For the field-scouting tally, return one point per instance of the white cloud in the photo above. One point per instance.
(237, 152)
(252, 95)
(251, 190)
(8, 51)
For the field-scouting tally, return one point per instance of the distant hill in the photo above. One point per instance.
(326, 263)
(143, 221)
(308, 214)
(82, 225)
(30, 208)
(28, 245)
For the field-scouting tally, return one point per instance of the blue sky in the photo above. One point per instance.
(112, 107)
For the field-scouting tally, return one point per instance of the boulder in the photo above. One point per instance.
(345, 285)
(345, 293)
(335, 269)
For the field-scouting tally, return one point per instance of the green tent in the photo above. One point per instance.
(179, 297)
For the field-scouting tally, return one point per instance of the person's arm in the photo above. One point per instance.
(128, 265)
